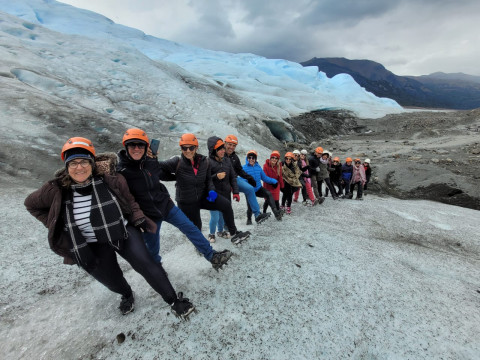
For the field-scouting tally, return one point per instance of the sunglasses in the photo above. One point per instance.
(288, 158)
(251, 157)
(357, 162)
(136, 145)
(274, 158)
(188, 148)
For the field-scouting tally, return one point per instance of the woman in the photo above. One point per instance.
(324, 174)
(358, 178)
(195, 189)
(273, 169)
(305, 180)
(143, 175)
(90, 217)
(253, 169)
(368, 174)
(291, 177)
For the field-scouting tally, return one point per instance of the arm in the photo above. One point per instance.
(267, 179)
(40, 201)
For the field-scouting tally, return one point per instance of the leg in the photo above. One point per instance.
(249, 192)
(152, 242)
(329, 186)
(178, 219)
(136, 254)
(214, 215)
(223, 205)
(192, 211)
(108, 271)
(310, 192)
(315, 186)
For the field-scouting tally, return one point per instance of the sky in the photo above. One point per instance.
(408, 37)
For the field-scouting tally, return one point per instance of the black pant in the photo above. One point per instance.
(264, 193)
(329, 186)
(288, 191)
(108, 271)
(265, 205)
(221, 204)
(359, 189)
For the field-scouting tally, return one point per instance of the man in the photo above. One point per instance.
(246, 183)
(314, 164)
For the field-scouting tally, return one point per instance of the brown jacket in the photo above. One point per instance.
(46, 205)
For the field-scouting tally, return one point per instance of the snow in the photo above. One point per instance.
(383, 278)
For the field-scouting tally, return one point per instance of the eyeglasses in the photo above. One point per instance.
(188, 148)
(288, 159)
(136, 145)
(82, 163)
(274, 158)
(251, 157)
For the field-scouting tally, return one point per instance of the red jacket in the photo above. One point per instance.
(275, 173)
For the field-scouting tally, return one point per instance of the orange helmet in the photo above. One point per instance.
(357, 159)
(78, 142)
(218, 144)
(252, 152)
(348, 159)
(275, 153)
(231, 139)
(319, 150)
(135, 134)
(336, 158)
(289, 154)
(188, 139)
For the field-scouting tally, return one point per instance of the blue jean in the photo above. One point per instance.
(249, 192)
(216, 221)
(177, 218)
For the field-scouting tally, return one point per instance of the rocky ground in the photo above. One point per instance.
(419, 154)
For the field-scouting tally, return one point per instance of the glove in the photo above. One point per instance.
(317, 169)
(236, 197)
(151, 226)
(251, 181)
(141, 224)
(212, 196)
(275, 185)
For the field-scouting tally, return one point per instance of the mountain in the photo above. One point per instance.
(437, 90)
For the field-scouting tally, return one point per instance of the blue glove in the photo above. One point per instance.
(212, 196)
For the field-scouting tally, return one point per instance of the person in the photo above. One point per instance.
(225, 182)
(368, 175)
(253, 169)
(273, 169)
(91, 216)
(306, 180)
(314, 170)
(291, 176)
(324, 174)
(347, 169)
(358, 178)
(246, 183)
(296, 158)
(195, 189)
(144, 175)
(336, 175)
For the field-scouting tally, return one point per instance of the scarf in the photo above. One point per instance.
(105, 216)
(291, 175)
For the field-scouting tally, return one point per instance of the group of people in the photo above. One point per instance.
(100, 205)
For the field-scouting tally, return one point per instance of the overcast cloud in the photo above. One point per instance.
(409, 37)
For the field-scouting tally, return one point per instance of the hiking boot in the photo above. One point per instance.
(127, 304)
(224, 234)
(249, 221)
(315, 202)
(320, 200)
(358, 198)
(289, 210)
(220, 258)
(240, 236)
(182, 307)
(262, 217)
(304, 203)
(211, 238)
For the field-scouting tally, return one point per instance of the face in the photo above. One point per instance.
(189, 151)
(296, 156)
(357, 163)
(251, 159)
(79, 170)
(273, 160)
(288, 160)
(136, 150)
(302, 156)
(221, 153)
(230, 148)
(318, 155)
(325, 156)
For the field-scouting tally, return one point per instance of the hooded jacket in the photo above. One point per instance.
(228, 184)
(313, 163)
(258, 174)
(275, 173)
(143, 178)
(46, 205)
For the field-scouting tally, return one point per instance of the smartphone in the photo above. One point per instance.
(154, 143)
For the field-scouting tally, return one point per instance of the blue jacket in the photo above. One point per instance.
(347, 172)
(258, 174)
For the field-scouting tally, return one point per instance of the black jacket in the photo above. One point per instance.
(313, 163)
(237, 166)
(191, 188)
(336, 174)
(228, 184)
(143, 179)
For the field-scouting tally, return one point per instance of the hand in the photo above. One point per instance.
(221, 175)
(236, 197)
(275, 185)
(141, 224)
(252, 181)
(212, 196)
(150, 153)
(151, 226)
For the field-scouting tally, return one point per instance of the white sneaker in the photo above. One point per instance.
(211, 238)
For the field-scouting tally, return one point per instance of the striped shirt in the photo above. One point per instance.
(81, 215)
